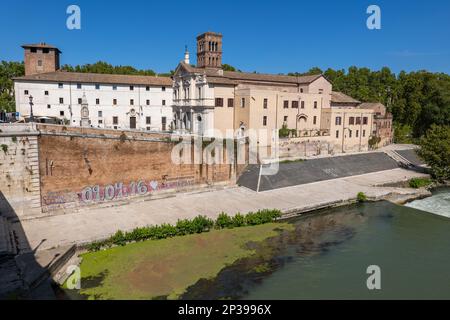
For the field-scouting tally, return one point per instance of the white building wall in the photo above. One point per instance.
(101, 115)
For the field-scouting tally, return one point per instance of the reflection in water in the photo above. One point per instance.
(327, 254)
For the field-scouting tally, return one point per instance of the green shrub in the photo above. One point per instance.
(238, 220)
(419, 182)
(118, 239)
(4, 148)
(184, 227)
(361, 197)
(224, 221)
(202, 223)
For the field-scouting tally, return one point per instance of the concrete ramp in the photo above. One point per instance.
(302, 172)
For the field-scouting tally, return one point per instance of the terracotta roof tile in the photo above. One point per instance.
(62, 76)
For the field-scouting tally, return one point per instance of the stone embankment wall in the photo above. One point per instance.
(19, 171)
(56, 169)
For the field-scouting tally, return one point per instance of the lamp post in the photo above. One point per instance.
(31, 109)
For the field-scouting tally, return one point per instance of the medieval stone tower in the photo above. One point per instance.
(41, 58)
(209, 50)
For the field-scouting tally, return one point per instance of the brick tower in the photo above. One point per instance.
(41, 58)
(209, 50)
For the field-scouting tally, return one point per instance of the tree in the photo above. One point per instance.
(435, 151)
(227, 67)
(106, 68)
(9, 70)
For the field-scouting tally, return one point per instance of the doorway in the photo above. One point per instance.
(132, 122)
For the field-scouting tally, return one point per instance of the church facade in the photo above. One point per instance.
(210, 101)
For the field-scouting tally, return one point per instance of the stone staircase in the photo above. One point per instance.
(8, 245)
(401, 161)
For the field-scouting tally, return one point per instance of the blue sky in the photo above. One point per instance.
(267, 36)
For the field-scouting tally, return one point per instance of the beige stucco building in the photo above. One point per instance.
(210, 101)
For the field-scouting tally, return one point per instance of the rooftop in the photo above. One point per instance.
(339, 97)
(63, 76)
(233, 77)
(40, 45)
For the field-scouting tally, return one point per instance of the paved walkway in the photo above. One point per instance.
(93, 224)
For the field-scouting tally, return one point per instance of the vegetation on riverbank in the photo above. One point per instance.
(183, 227)
(417, 183)
(165, 268)
(435, 151)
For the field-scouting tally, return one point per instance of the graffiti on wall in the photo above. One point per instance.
(58, 198)
(121, 190)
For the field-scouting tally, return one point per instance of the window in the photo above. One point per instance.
(147, 102)
(337, 134)
(148, 128)
(315, 104)
(230, 102)
(301, 90)
(147, 88)
(242, 102)
(49, 106)
(357, 133)
(219, 102)
(315, 120)
(164, 102)
(61, 100)
(61, 113)
(97, 87)
(132, 102)
(265, 103)
(45, 50)
(46, 93)
(131, 88)
(349, 133)
(295, 104)
(351, 120)
(365, 120)
(338, 121)
(114, 102)
(320, 91)
(163, 89)
(100, 121)
(39, 63)
(265, 121)
(115, 120)
(78, 85)
(97, 101)
(148, 120)
(100, 113)
(285, 118)
(60, 85)
(114, 87)
(364, 133)
(285, 104)
(303, 104)
(358, 120)
(26, 92)
(33, 50)
(80, 101)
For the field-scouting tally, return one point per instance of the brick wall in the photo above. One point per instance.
(88, 169)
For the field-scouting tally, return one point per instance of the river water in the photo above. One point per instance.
(327, 255)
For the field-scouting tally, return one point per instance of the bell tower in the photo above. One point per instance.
(209, 50)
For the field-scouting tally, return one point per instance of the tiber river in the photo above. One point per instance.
(327, 256)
